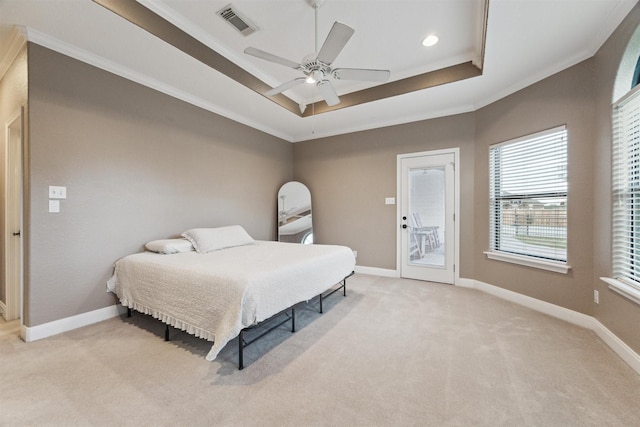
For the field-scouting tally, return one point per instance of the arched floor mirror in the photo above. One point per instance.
(294, 214)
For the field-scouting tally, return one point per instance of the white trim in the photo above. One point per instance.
(552, 310)
(374, 271)
(623, 289)
(529, 136)
(45, 330)
(382, 122)
(625, 352)
(557, 267)
(465, 283)
(14, 294)
(16, 43)
(87, 57)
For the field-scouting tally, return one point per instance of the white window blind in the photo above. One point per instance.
(528, 196)
(626, 189)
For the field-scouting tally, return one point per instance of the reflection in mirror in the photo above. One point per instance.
(294, 213)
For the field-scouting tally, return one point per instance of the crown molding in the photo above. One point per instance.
(45, 40)
(172, 33)
(16, 43)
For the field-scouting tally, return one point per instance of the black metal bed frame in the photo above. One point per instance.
(242, 343)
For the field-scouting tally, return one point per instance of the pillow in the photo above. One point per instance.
(169, 246)
(213, 239)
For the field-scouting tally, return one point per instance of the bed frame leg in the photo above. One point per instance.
(241, 342)
(241, 350)
(128, 312)
(166, 333)
(344, 291)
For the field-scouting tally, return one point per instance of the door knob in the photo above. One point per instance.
(16, 234)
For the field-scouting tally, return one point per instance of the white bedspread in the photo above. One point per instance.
(215, 295)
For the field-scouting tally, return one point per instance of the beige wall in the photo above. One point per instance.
(13, 95)
(565, 98)
(618, 314)
(138, 165)
(350, 175)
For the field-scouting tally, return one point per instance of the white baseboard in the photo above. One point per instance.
(3, 308)
(625, 352)
(374, 271)
(45, 330)
(552, 310)
(465, 283)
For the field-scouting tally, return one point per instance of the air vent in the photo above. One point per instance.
(230, 14)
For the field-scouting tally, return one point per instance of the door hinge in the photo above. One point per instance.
(454, 268)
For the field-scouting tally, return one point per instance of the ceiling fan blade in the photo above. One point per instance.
(364, 75)
(328, 92)
(285, 86)
(335, 42)
(270, 57)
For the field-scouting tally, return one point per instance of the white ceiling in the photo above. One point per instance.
(526, 40)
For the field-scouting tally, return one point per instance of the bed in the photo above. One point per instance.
(218, 290)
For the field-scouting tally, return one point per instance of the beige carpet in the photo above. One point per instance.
(393, 352)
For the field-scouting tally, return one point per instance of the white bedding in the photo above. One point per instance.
(217, 294)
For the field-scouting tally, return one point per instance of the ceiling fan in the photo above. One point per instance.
(318, 66)
(283, 213)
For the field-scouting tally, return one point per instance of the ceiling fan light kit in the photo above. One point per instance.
(317, 67)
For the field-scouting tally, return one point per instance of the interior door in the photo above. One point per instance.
(427, 208)
(13, 230)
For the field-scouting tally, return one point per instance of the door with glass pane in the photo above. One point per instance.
(427, 217)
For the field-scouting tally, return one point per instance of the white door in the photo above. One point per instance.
(13, 231)
(427, 209)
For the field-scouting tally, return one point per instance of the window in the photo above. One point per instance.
(636, 74)
(307, 239)
(626, 193)
(528, 200)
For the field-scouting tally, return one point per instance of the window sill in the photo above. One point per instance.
(556, 267)
(627, 291)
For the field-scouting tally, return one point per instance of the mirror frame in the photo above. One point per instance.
(294, 216)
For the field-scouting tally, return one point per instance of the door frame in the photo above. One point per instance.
(456, 210)
(14, 294)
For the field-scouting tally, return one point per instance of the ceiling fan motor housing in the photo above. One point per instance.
(314, 68)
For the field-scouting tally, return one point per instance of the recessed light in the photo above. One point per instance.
(430, 40)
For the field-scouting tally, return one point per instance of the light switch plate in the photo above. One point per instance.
(54, 206)
(390, 201)
(57, 192)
